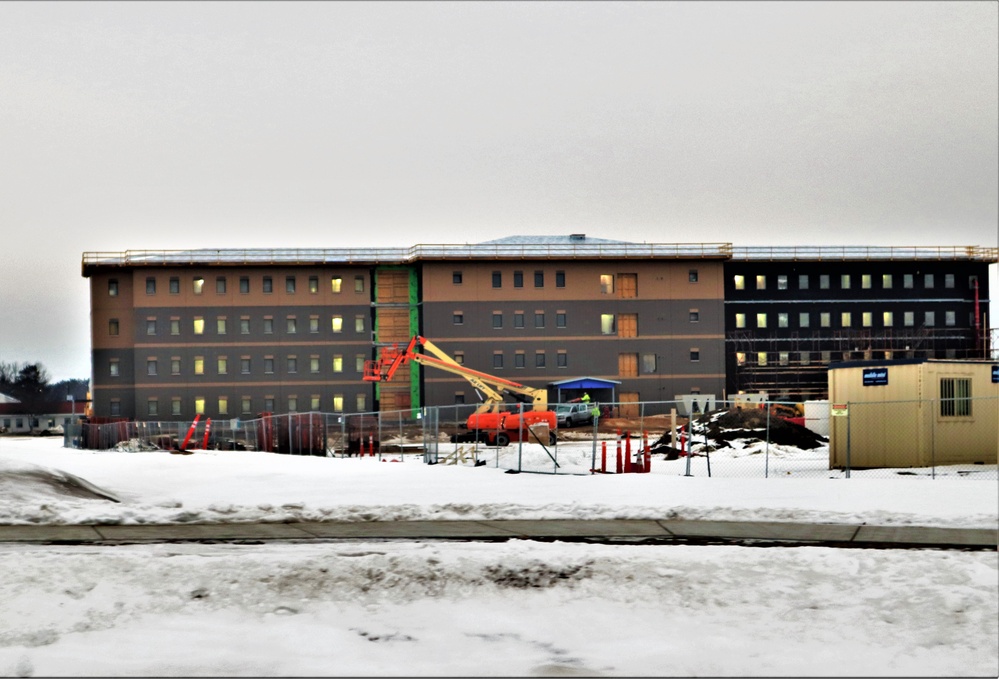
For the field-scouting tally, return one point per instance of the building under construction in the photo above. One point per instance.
(231, 333)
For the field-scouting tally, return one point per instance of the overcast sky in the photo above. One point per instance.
(149, 125)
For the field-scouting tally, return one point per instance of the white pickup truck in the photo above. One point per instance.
(573, 414)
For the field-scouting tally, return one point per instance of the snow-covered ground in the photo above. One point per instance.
(518, 608)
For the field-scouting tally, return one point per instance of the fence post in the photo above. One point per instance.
(848, 439)
(520, 439)
(766, 457)
(933, 440)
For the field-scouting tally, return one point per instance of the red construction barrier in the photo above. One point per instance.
(619, 467)
(627, 452)
(208, 428)
(190, 432)
(648, 460)
(603, 457)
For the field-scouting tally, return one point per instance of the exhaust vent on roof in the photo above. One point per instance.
(577, 236)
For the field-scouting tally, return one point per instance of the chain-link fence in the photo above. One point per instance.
(696, 436)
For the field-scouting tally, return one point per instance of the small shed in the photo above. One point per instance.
(913, 413)
(600, 390)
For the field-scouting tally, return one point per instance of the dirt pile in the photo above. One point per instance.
(734, 424)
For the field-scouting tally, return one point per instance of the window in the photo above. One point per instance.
(198, 285)
(761, 320)
(560, 279)
(221, 325)
(174, 326)
(456, 277)
(175, 365)
(459, 357)
(175, 406)
(782, 320)
(337, 364)
(199, 325)
(245, 364)
(115, 407)
(152, 367)
(269, 365)
(519, 360)
(113, 326)
(695, 355)
(560, 319)
(740, 358)
(359, 363)
(362, 402)
(539, 359)
(518, 279)
(458, 318)
(222, 364)
(783, 358)
(268, 285)
(358, 283)
(907, 281)
(562, 359)
(692, 276)
(150, 326)
(269, 404)
(740, 320)
(539, 279)
(359, 323)
(313, 285)
(244, 325)
(694, 316)
(928, 281)
(844, 281)
(114, 368)
(113, 287)
(950, 318)
(539, 319)
(244, 285)
(627, 325)
(199, 405)
(223, 405)
(648, 363)
(804, 319)
(337, 323)
(150, 286)
(497, 320)
(497, 279)
(930, 318)
(826, 356)
(865, 281)
(908, 318)
(291, 325)
(886, 281)
(845, 319)
(246, 405)
(805, 358)
(607, 324)
(518, 319)
(289, 285)
(825, 319)
(888, 318)
(314, 364)
(292, 364)
(782, 282)
(948, 280)
(152, 407)
(824, 281)
(220, 285)
(955, 397)
(740, 282)
(313, 324)
(498, 359)
(761, 358)
(292, 404)
(336, 282)
(867, 319)
(761, 282)
(803, 281)
(174, 285)
(606, 284)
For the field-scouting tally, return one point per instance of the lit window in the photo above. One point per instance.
(313, 285)
(867, 319)
(888, 318)
(335, 284)
(825, 319)
(607, 325)
(782, 282)
(223, 365)
(313, 324)
(761, 320)
(221, 326)
(782, 320)
(338, 324)
(824, 281)
(865, 281)
(359, 363)
(606, 284)
(908, 318)
(223, 405)
(174, 326)
(245, 405)
(740, 320)
(845, 319)
(740, 358)
(199, 405)
(292, 404)
(314, 403)
(804, 319)
(313, 364)
(338, 403)
(761, 282)
(886, 281)
(199, 284)
(337, 363)
(199, 365)
(740, 282)
(359, 324)
(112, 288)
(362, 403)
(761, 358)
(114, 368)
(784, 358)
(844, 281)
(199, 325)
(930, 318)
(358, 283)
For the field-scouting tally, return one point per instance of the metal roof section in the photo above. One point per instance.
(573, 246)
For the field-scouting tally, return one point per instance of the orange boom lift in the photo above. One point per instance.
(490, 422)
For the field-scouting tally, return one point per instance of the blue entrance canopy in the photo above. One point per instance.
(580, 383)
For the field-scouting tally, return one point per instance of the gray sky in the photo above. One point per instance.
(128, 126)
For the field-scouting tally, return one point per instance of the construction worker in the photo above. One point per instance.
(586, 398)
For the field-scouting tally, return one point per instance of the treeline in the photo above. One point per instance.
(29, 384)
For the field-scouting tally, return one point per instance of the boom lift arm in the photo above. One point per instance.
(383, 369)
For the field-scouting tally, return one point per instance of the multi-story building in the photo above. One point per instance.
(791, 311)
(233, 333)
